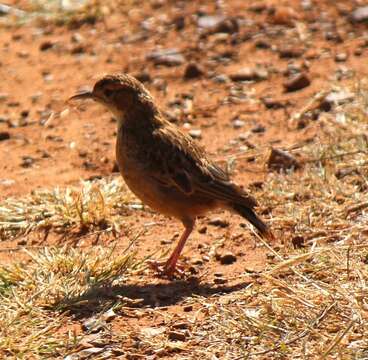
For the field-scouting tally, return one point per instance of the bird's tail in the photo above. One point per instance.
(249, 214)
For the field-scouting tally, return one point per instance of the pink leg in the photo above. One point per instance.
(170, 265)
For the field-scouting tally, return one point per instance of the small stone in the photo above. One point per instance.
(221, 79)
(359, 15)
(237, 123)
(93, 325)
(219, 222)
(143, 77)
(192, 71)
(46, 45)
(297, 82)
(218, 274)
(176, 336)
(341, 57)
(195, 133)
(188, 308)
(227, 258)
(4, 135)
(181, 325)
(262, 44)
(281, 160)
(219, 281)
(258, 129)
(197, 261)
(202, 229)
(166, 57)
(218, 24)
(249, 74)
(271, 103)
(27, 161)
(298, 242)
(289, 52)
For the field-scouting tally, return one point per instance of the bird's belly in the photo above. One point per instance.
(166, 200)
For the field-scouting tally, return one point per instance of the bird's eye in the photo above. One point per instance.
(108, 93)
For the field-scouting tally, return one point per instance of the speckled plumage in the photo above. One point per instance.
(164, 167)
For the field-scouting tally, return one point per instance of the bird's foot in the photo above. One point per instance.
(165, 269)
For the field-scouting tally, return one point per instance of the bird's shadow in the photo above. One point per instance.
(99, 298)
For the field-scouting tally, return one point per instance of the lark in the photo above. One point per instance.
(164, 167)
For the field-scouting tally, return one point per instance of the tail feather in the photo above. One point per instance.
(252, 217)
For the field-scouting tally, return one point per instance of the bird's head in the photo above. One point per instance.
(121, 94)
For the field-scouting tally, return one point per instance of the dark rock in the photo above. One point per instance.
(335, 98)
(143, 77)
(359, 15)
(289, 52)
(4, 135)
(27, 161)
(227, 258)
(166, 57)
(258, 129)
(202, 229)
(176, 336)
(192, 71)
(219, 222)
(262, 44)
(297, 82)
(188, 308)
(280, 160)
(179, 22)
(219, 281)
(298, 242)
(46, 45)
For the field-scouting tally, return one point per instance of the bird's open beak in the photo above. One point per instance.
(83, 96)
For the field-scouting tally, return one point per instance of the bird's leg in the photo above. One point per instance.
(170, 265)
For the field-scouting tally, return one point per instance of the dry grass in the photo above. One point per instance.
(99, 204)
(40, 298)
(309, 303)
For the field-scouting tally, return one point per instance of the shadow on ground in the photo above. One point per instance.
(142, 296)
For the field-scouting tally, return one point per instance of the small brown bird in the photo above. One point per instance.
(164, 167)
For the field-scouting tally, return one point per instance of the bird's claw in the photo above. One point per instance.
(163, 268)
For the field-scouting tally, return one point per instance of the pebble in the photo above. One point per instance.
(288, 52)
(192, 71)
(227, 258)
(297, 82)
(219, 222)
(27, 161)
(4, 135)
(249, 74)
(218, 24)
(202, 229)
(271, 103)
(258, 129)
(341, 57)
(176, 336)
(281, 160)
(360, 14)
(46, 45)
(195, 133)
(188, 308)
(237, 123)
(219, 281)
(166, 57)
(221, 79)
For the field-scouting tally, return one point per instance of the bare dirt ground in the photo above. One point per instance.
(226, 84)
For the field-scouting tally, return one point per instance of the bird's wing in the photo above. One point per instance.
(185, 165)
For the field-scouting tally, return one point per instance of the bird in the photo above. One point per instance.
(165, 167)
